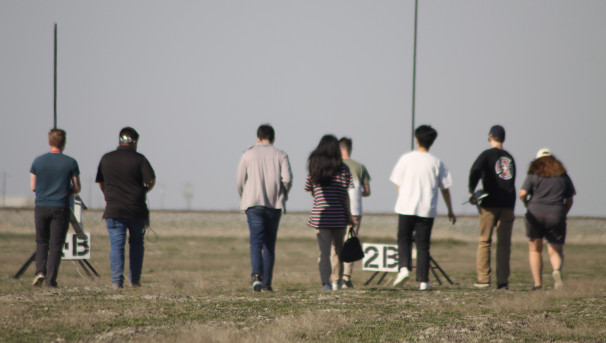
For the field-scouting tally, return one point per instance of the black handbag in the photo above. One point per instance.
(352, 248)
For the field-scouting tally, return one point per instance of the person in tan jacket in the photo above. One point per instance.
(264, 178)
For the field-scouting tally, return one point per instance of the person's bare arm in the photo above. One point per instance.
(150, 185)
(569, 202)
(523, 194)
(32, 182)
(76, 185)
(447, 200)
(350, 221)
(366, 190)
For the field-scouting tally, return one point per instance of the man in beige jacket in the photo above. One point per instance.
(264, 179)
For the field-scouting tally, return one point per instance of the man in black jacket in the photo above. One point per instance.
(125, 176)
(496, 168)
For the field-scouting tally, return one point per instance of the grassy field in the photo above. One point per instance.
(196, 289)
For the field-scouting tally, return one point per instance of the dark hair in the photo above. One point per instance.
(346, 144)
(56, 138)
(547, 166)
(128, 135)
(265, 131)
(425, 135)
(325, 160)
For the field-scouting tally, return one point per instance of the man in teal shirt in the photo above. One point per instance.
(54, 177)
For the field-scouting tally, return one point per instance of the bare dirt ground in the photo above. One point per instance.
(196, 289)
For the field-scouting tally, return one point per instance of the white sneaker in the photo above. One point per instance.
(557, 279)
(402, 276)
(425, 286)
(335, 286)
(38, 280)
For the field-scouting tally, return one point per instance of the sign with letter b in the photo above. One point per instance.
(76, 248)
(382, 257)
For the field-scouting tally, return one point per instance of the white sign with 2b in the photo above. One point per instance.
(75, 248)
(381, 257)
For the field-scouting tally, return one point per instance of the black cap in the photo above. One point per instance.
(497, 132)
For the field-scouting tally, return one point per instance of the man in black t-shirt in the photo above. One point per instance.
(125, 176)
(496, 168)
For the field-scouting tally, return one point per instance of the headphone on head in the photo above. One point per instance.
(126, 139)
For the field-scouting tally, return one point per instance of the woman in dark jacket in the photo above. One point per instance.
(547, 193)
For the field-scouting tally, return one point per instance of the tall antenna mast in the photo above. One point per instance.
(55, 81)
(414, 80)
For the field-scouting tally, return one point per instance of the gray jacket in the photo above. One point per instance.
(264, 177)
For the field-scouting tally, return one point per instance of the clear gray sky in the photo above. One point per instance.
(196, 78)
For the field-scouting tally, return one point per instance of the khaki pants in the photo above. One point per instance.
(502, 219)
(331, 269)
(348, 266)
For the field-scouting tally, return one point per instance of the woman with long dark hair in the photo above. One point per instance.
(328, 180)
(547, 193)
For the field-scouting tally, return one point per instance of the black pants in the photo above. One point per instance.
(421, 227)
(51, 228)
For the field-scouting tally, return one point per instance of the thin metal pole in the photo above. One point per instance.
(414, 80)
(55, 81)
(3, 189)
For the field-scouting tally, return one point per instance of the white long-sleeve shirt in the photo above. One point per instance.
(264, 177)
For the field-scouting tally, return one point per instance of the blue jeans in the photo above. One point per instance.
(263, 225)
(117, 237)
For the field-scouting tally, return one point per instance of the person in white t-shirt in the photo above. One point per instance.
(418, 175)
(361, 180)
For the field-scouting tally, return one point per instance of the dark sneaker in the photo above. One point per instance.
(347, 284)
(267, 289)
(135, 284)
(257, 285)
(537, 288)
(481, 284)
(327, 287)
(38, 280)
(503, 286)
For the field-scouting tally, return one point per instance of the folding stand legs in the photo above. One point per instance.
(25, 266)
(432, 266)
(83, 263)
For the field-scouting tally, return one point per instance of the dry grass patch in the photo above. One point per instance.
(309, 326)
(196, 288)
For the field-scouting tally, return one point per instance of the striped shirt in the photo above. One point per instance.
(330, 202)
